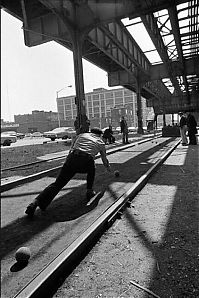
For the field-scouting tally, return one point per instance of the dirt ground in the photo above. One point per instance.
(154, 244)
(14, 156)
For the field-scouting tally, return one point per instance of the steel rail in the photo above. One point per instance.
(31, 163)
(34, 162)
(26, 179)
(70, 257)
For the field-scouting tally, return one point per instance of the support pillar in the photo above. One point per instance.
(77, 39)
(172, 119)
(164, 120)
(155, 121)
(139, 109)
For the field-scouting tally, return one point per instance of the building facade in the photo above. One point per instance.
(37, 121)
(104, 107)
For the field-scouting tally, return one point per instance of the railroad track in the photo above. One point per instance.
(118, 195)
(10, 184)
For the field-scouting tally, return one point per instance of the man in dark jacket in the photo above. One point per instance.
(124, 130)
(183, 128)
(108, 136)
(192, 130)
(79, 160)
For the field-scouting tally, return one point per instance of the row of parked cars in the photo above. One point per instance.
(9, 137)
(58, 133)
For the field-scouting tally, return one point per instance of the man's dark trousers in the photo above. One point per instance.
(76, 162)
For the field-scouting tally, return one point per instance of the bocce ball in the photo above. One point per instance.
(22, 255)
(116, 173)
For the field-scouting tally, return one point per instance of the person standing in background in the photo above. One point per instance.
(124, 130)
(192, 130)
(183, 128)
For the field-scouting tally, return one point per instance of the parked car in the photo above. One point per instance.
(118, 129)
(7, 139)
(60, 133)
(20, 135)
(132, 129)
(37, 134)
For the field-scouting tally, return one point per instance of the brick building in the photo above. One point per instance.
(104, 107)
(37, 121)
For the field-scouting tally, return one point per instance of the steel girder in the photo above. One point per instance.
(176, 32)
(53, 20)
(96, 11)
(150, 23)
(159, 71)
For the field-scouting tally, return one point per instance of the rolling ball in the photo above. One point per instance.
(22, 255)
(116, 173)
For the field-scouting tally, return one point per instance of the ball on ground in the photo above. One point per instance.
(116, 173)
(22, 255)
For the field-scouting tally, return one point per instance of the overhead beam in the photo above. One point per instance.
(176, 32)
(159, 71)
(123, 78)
(151, 26)
(96, 11)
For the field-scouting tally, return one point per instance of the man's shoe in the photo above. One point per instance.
(30, 210)
(90, 194)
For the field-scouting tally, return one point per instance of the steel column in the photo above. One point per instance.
(139, 107)
(77, 41)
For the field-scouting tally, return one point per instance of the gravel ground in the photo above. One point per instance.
(154, 245)
(14, 156)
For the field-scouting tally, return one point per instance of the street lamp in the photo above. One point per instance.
(69, 86)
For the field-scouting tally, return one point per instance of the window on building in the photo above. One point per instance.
(109, 95)
(109, 102)
(61, 116)
(60, 104)
(118, 100)
(102, 103)
(89, 104)
(128, 99)
(95, 96)
(68, 113)
(96, 110)
(90, 111)
(61, 109)
(96, 103)
(119, 106)
(118, 93)
(127, 92)
(68, 107)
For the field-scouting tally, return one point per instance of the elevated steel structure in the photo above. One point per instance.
(93, 30)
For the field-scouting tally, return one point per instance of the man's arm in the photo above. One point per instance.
(105, 160)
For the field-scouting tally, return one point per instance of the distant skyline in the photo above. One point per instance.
(31, 77)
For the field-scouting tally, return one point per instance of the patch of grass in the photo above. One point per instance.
(14, 156)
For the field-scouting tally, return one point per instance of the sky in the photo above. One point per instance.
(31, 77)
